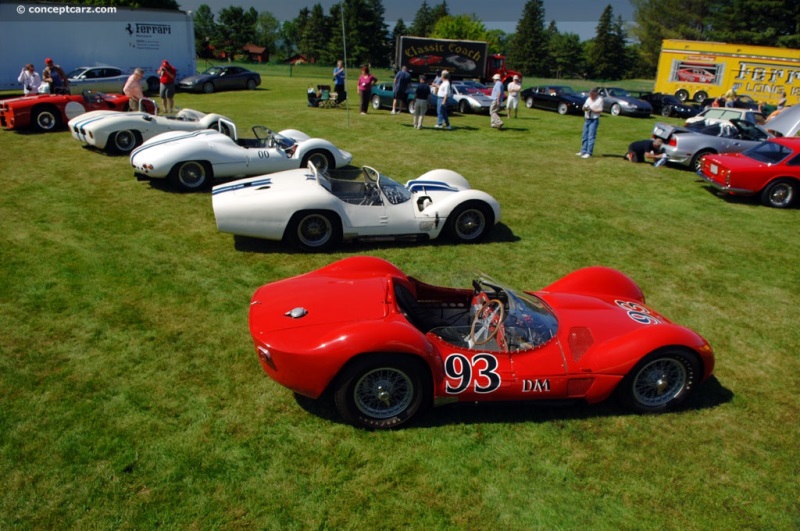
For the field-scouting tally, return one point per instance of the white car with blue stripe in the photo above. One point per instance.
(314, 212)
(192, 160)
(120, 132)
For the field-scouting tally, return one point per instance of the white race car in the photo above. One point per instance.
(314, 212)
(121, 132)
(192, 160)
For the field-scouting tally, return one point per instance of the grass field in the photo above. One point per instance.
(131, 397)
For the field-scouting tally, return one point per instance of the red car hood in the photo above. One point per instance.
(293, 304)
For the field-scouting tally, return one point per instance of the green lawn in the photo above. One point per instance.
(131, 397)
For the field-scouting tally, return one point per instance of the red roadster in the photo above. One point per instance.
(771, 169)
(385, 346)
(47, 112)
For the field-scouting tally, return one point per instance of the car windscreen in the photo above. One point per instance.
(768, 153)
(395, 192)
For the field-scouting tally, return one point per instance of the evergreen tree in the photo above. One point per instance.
(236, 28)
(204, 31)
(761, 22)
(267, 31)
(604, 56)
(440, 11)
(567, 56)
(423, 21)
(529, 44)
(315, 34)
(497, 40)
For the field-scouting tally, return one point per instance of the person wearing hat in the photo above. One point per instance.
(497, 101)
(166, 89)
(514, 89)
(55, 78)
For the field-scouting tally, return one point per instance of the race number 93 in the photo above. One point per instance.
(479, 374)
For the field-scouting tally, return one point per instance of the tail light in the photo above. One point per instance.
(673, 141)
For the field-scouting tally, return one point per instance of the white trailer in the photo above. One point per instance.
(76, 36)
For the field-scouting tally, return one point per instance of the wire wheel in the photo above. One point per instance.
(659, 382)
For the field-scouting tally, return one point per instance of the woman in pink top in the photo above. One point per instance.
(133, 89)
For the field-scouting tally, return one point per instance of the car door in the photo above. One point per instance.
(267, 160)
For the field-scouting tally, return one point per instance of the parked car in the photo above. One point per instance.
(219, 78)
(669, 105)
(687, 147)
(618, 101)
(121, 132)
(713, 115)
(408, 345)
(191, 160)
(314, 211)
(99, 79)
(470, 99)
(48, 112)
(559, 98)
(770, 170)
(478, 85)
(425, 60)
(383, 95)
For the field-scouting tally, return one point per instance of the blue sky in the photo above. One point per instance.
(575, 16)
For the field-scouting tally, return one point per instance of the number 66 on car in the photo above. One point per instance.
(384, 346)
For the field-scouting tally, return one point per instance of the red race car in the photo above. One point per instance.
(771, 169)
(425, 60)
(385, 346)
(47, 112)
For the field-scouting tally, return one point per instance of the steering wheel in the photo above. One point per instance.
(487, 322)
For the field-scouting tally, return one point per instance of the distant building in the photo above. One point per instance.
(299, 59)
(255, 53)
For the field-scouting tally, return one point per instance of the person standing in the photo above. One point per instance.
(365, 82)
(401, 81)
(442, 93)
(338, 81)
(166, 89)
(421, 94)
(514, 89)
(133, 89)
(592, 108)
(730, 97)
(30, 80)
(497, 102)
(55, 78)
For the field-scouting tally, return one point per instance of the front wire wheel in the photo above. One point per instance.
(660, 381)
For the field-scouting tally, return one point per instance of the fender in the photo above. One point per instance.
(598, 281)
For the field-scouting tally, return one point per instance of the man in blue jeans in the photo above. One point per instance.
(592, 108)
(442, 93)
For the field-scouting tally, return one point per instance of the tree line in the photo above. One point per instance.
(536, 48)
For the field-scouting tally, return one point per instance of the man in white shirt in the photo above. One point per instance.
(592, 108)
(442, 93)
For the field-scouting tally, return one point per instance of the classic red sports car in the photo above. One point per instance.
(771, 169)
(695, 75)
(384, 346)
(425, 60)
(47, 112)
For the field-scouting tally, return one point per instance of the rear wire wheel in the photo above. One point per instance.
(382, 391)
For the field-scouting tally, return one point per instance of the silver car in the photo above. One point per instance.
(686, 146)
(619, 101)
(99, 79)
(470, 99)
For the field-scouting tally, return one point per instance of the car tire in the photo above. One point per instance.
(563, 108)
(696, 162)
(666, 110)
(46, 119)
(208, 87)
(470, 223)
(529, 103)
(251, 84)
(382, 391)
(124, 142)
(616, 110)
(682, 95)
(376, 102)
(700, 97)
(463, 106)
(191, 175)
(661, 381)
(321, 159)
(314, 230)
(779, 194)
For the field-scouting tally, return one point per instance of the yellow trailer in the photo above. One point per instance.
(697, 70)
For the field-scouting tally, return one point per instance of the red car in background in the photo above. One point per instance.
(771, 170)
(695, 75)
(384, 346)
(48, 112)
(425, 60)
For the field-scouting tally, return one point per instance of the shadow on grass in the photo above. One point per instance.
(500, 234)
(748, 200)
(709, 395)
